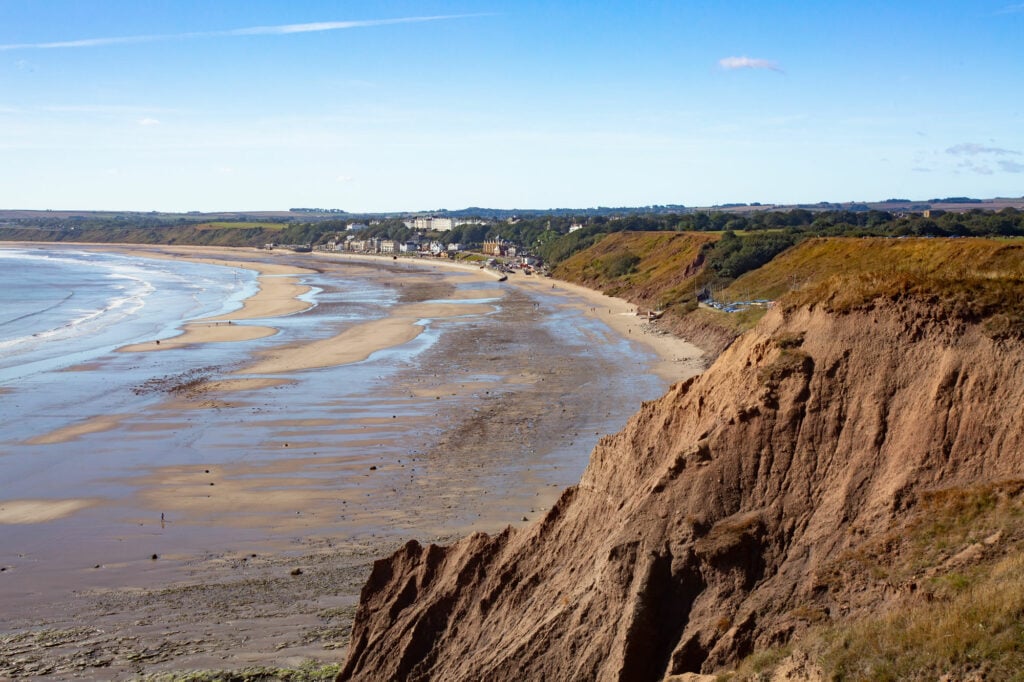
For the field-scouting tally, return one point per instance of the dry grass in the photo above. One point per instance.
(966, 615)
(971, 279)
(949, 520)
(758, 666)
(661, 273)
(977, 630)
(817, 260)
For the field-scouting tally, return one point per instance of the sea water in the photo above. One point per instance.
(61, 307)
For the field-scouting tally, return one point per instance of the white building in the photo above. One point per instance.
(434, 224)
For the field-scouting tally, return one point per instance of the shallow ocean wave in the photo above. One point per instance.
(63, 306)
(85, 308)
(38, 312)
(87, 322)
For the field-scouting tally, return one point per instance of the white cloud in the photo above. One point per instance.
(972, 149)
(975, 167)
(105, 109)
(149, 122)
(733, 63)
(344, 178)
(283, 29)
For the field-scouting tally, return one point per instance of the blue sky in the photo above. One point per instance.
(387, 106)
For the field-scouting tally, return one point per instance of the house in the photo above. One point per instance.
(498, 247)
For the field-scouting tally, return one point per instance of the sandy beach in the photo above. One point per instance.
(678, 358)
(274, 461)
(278, 295)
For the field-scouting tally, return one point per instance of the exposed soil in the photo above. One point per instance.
(710, 527)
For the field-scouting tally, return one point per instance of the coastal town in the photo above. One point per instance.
(496, 253)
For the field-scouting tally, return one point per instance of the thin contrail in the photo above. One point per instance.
(283, 29)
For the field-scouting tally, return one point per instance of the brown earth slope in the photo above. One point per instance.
(712, 524)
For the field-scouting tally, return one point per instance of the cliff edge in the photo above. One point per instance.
(716, 522)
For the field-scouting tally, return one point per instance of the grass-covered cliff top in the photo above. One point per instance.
(815, 261)
(971, 279)
(975, 279)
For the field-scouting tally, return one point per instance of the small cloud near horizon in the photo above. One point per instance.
(1011, 167)
(149, 122)
(733, 63)
(344, 178)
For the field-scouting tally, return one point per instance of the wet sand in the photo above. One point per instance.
(486, 428)
(70, 432)
(358, 343)
(203, 332)
(38, 511)
(678, 358)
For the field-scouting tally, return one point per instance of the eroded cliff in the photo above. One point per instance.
(712, 524)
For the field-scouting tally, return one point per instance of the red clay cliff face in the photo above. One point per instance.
(697, 530)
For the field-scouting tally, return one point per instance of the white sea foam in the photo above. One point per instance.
(115, 304)
(63, 305)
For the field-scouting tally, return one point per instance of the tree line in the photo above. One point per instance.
(749, 239)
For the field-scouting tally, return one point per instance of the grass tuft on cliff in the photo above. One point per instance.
(959, 559)
(978, 629)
